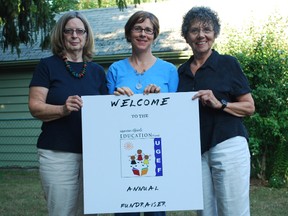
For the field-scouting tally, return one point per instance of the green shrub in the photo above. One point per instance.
(262, 51)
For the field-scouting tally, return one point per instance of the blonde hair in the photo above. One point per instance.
(57, 38)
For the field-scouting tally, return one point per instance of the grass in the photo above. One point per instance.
(21, 195)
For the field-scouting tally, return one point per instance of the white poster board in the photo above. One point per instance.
(141, 153)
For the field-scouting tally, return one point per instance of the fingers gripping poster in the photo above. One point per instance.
(141, 153)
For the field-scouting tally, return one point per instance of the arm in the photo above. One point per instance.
(243, 107)
(111, 82)
(174, 80)
(47, 112)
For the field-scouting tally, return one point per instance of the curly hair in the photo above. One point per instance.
(202, 14)
(57, 38)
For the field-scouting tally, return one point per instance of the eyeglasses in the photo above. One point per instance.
(78, 31)
(196, 31)
(147, 30)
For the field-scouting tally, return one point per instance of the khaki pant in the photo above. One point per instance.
(62, 182)
(226, 179)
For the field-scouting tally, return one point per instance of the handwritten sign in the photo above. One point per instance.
(141, 153)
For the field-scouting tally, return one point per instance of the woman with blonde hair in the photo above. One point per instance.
(55, 93)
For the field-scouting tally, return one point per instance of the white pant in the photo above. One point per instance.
(226, 179)
(62, 182)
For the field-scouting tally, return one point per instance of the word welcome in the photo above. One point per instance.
(140, 102)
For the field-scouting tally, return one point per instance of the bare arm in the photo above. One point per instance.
(48, 112)
(243, 107)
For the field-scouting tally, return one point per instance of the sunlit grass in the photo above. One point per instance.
(21, 195)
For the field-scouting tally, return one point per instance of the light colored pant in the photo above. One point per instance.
(62, 182)
(226, 179)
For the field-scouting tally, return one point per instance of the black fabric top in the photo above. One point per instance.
(223, 75)
(65, 134)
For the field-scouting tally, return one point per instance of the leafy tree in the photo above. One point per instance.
(263, 54)
(21, 21)
(63, 5)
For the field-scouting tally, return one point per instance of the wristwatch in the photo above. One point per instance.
(224, 104)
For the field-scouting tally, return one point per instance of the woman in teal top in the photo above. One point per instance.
(142, 72)
(161, 74)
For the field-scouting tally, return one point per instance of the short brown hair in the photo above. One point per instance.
(139, 17)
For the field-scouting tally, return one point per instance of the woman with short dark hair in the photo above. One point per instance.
(225, 98)
(142, 72)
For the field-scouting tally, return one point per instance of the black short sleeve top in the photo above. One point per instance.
(223, 75)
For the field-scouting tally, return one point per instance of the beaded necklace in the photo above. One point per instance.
(73, 73)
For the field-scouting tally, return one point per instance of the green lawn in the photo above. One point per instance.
(21, 195)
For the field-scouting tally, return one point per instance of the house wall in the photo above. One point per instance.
(19, 131)
(13, 94)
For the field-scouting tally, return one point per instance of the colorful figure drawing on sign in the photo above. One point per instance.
(139, 157)
(139, 166)
(132, 157)
(146, 160)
